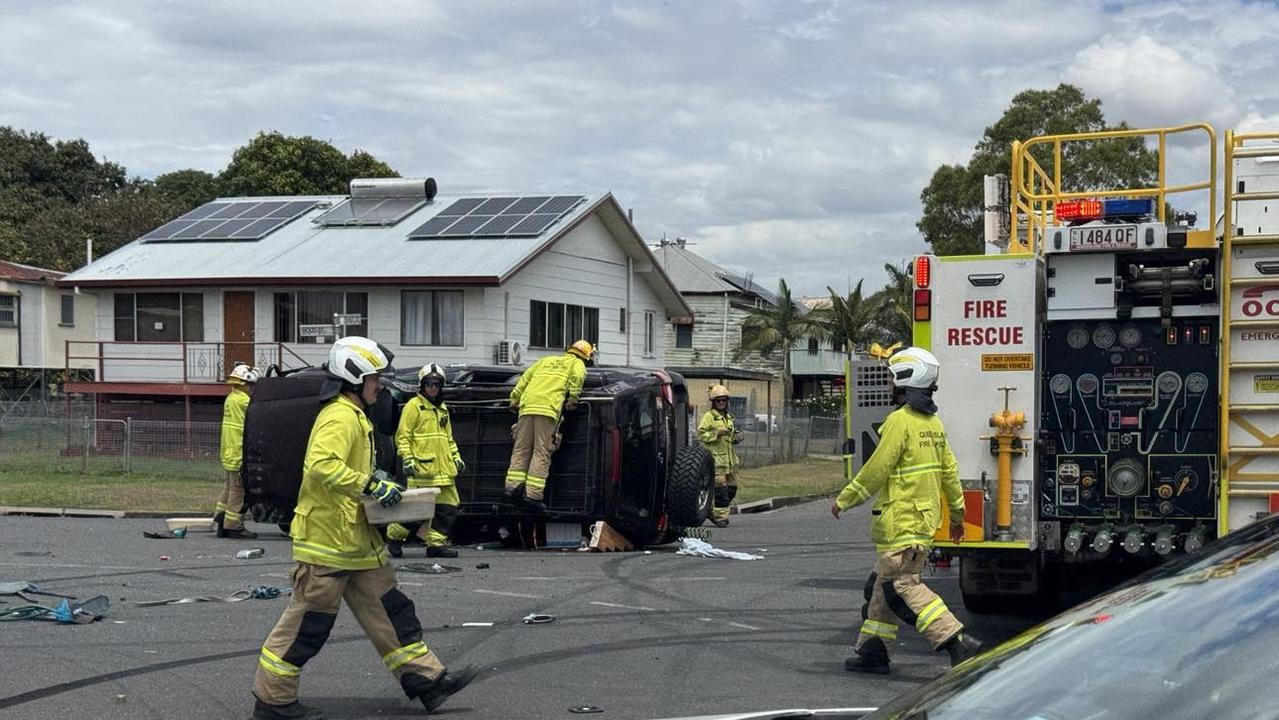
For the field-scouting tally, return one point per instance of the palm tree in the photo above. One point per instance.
(848, 322)
(770, 328)
(893, 306)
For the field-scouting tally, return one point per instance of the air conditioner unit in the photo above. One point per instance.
(509, 352)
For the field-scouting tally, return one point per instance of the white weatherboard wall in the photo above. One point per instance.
(588, 268)
(157, 362)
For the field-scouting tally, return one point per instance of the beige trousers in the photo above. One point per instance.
(900, 594)
(232, 502)
(531, 456)
(386, 615)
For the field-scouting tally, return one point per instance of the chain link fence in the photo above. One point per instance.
(788, 437)
(52, 446)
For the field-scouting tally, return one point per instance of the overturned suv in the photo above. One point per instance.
(628, 454)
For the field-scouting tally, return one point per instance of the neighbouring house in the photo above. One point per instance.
(446, 279)
(703, 347)
(817, 366)
(38, 321)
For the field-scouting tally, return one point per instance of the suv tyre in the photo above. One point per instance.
(691, 485)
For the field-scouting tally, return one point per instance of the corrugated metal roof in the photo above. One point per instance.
(27, 273)
(693, 273)
(302, 251)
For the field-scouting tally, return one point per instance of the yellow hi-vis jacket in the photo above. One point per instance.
(233, 410)
(329, 524)
(910, 470)
(720, 448)
(426, 435)
(543, 388)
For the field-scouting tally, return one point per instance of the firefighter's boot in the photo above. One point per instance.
(445, 685)
(871, 657)
(236, 533)
(512, 494)
(395, 548)
(293, 711)
(440, 551)
(960, 647)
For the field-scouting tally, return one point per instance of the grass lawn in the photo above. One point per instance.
(807, 477)
(193, 486)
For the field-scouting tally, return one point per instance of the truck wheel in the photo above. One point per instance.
(691, 484)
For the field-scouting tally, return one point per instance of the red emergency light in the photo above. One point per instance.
(923, 305)
(1084, 210)
(922, 271)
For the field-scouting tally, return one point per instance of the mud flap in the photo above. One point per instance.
(999, 574)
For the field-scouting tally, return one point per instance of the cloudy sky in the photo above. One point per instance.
(785, 139)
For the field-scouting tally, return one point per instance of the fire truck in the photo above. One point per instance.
(1109, 371)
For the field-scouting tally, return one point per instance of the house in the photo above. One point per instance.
(817, 366)
(704, 350)
(37, 321)
(444, 279)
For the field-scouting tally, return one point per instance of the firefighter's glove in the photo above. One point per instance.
(737, 437)
(461, 465)
(383, 489)
(957, 531)
(410, 467)
(571, 405)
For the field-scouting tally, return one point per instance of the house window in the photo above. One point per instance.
(812, 346)
(556, 325)
(68, 311)
(431, 317)
(650, 320)
(8, 311)
(684, 336)
(298, 315)
(621, 320)
(159, 317)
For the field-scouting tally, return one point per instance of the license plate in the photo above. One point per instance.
(1103, 237)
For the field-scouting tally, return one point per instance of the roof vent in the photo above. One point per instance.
(394, 188)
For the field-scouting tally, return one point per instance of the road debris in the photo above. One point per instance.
(481, 566)
(585, 709)
(701, 548)
(250, 554)
(261, 592)
(538, 619)
(95, 608)
(425, 569)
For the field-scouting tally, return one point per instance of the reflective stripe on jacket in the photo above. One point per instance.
(720, 448)
(543, 388)
(329, 524)
(426, 435)
(233, 410)
(911, 468)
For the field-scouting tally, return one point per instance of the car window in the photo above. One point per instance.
(1196, 644)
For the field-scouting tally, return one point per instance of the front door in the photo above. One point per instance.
(238, 337)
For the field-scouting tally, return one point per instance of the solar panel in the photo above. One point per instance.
(230, 220)
(360, 212)
(497, 217)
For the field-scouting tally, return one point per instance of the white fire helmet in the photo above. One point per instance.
(242, 374)
(353, 358)
(914, 368)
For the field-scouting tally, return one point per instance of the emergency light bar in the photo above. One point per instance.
(1079, 210)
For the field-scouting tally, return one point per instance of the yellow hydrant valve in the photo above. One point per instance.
(1006, 441)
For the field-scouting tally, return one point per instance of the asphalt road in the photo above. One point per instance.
(640, 635)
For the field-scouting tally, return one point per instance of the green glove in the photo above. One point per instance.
(383, 489)
(410, 467)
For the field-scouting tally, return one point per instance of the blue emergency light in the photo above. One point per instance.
(1081, 210)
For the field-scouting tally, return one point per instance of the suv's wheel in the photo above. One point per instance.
(692, 482)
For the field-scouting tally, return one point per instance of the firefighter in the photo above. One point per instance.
(718, 435)
(550, 387)
(909, 471)
(340, 556)
(425, 442)
(229, 512)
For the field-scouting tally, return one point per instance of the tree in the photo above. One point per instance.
(770, 328)
(189, 188)
(275, 164)
(847, 321)
(952, 217)
(892, 307)
(56, 238)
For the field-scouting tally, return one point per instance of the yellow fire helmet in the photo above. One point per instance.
(582, 348)
(717, 391)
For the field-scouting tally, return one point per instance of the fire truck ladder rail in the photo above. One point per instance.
(1235, 481)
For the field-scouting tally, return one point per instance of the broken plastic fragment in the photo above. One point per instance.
(538, 619)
